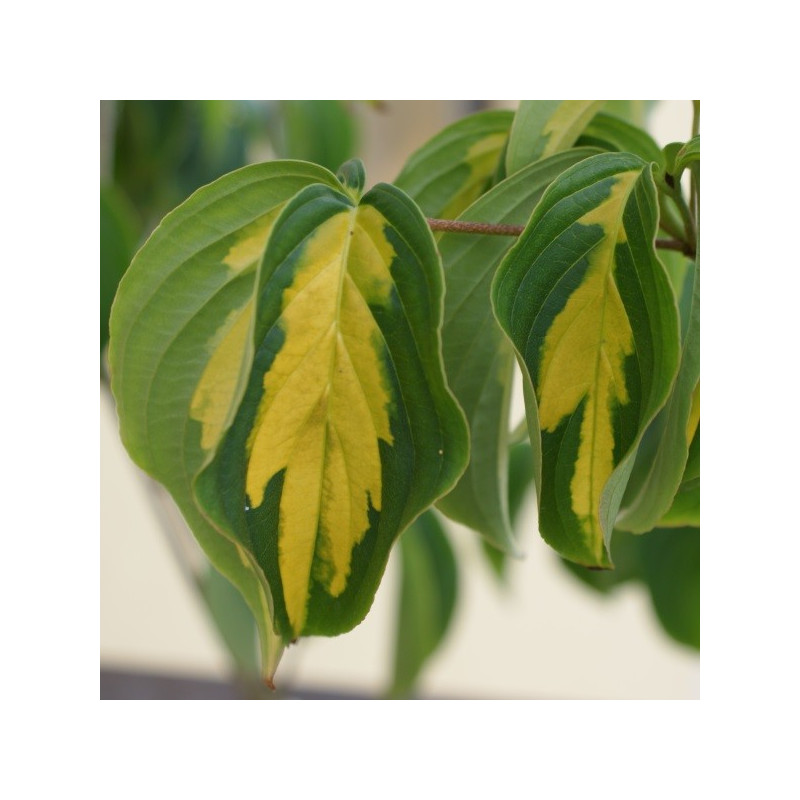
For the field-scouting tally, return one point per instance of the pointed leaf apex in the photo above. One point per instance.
(353, 177)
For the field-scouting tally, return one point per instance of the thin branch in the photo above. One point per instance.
(487, 228)
(674, 244)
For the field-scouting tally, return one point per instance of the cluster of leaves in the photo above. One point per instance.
(310, 370)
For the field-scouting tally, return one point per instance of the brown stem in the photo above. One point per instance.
(674, 244)
(487, 228)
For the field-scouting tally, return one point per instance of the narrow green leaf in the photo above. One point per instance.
(543, 128)
(180, 347)
(671, 568)
(661, 459)
(347, 430)
(428, 590)
(590, 311)
(119, 231)
(457, 165)
(478, 357)
(608, 132)
(521, 468)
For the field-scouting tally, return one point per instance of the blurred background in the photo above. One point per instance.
(170, 627)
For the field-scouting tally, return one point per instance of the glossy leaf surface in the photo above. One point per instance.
(428, 590)
(478, 357)
(180, 347)
(590, 311)
(456, 166)
(347, 430)
(543, 128)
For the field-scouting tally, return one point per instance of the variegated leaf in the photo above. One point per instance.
(478, 357)
(542, 128)
(347, 430)
(457, 165)
(590, 311)
(180, 347)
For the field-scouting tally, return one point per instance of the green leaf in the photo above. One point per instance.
(119, 231)
(592, 316)
(166, 149)
(457, 165)
(233, 619)
(608, 132)
(478, 357)
(687, 157)
(542, 128)
(428, 589)
(661, 459)
(180, 348)
(521, 468)
(347, 430)
(685, 508)
(671, 567)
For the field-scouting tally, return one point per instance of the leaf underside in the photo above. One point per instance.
(179, 348)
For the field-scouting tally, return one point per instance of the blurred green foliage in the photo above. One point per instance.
(157, 152)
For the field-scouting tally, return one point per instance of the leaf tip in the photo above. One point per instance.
(353, 177)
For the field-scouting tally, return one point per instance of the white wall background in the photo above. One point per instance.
(543, 636)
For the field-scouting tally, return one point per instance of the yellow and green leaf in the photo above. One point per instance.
(347, 429)
(591, 314)
(478, 357)
(542, 128)
(181, 346)
(457, 165)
